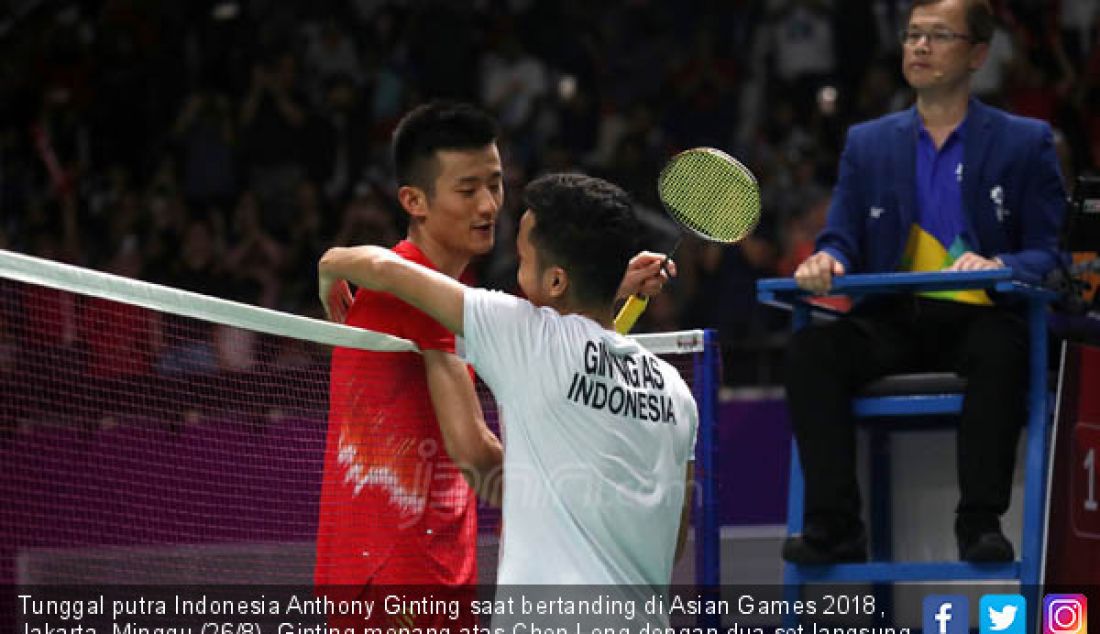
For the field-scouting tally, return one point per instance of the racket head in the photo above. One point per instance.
(711, 194)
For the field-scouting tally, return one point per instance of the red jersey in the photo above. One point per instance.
(119, 338)
(394, 508)
(51, 316)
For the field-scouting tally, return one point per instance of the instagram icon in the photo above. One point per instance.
(1065, 614)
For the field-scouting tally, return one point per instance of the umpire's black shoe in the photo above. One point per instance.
(988, 547)
(815, 547)
(980, 538)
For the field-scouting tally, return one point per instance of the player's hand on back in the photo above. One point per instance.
(339, 264)
(645, 274)
(816, 272)
(336, 297)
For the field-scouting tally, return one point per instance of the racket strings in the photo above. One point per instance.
(711, 194)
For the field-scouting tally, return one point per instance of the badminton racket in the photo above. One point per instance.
(709, 194)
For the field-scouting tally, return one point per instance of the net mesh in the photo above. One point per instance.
(138, 446)
(710, 193)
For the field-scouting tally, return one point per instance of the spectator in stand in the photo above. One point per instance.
(10, 384)
(878, 94)
(253, 258)
(310, 235)
(1079, 21)
(1090, 108)
(273, 122)
(798, 40)
(703, 93)
(367, 221)
(330, 53)
(799, 234)
(205, 135)
(189, 349)
(513, 81)
(340, 139)
(989, 81)
(122, 341)
(51, 358)
(71, 71)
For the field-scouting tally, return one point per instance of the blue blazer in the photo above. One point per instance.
(1013, 197)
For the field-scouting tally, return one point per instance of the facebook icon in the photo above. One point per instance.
(946, 614)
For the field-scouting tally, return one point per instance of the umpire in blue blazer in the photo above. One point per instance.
(1012, 194)
(950, 184)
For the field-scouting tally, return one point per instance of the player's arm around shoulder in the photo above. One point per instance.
(467, 439)
(380, 269)
(474, 449)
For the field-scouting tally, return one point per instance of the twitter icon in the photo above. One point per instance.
(1002, 614)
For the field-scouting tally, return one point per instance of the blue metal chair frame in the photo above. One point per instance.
(784, 292)
(708, 548)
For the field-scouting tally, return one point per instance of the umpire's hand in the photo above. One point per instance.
(816, 272)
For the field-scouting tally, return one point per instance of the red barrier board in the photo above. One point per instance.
(1073, 531)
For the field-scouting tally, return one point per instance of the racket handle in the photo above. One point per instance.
(630, 312)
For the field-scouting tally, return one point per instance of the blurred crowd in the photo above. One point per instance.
(221, 146)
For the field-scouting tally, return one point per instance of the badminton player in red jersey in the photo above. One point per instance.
(395, 509)
(407, 442)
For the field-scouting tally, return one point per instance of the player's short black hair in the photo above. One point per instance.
(979, 17)
(588, 227)
(434, 126)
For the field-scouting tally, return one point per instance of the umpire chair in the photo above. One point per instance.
(921, 401)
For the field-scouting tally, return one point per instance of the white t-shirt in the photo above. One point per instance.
(597, 435)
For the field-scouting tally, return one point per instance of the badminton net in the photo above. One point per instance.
(154, 436)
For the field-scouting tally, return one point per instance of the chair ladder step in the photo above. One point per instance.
(905, 571)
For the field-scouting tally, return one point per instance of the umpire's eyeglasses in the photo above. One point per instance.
(938, 37)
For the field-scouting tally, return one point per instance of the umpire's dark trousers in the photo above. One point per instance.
(829, 362)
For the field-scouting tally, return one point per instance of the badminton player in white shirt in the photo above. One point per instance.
(599, 434)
